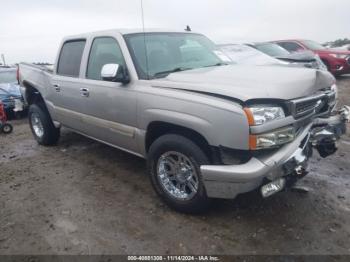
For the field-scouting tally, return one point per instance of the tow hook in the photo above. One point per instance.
(326, 131)
(300, 171)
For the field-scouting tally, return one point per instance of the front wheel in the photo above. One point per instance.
(43, 129)
(174, 166)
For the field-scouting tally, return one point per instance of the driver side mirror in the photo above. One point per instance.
(115, 73)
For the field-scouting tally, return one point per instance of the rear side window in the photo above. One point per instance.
(70, 58)
(291, 46)
(104, 50)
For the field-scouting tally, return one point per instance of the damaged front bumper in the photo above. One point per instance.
(289, 162)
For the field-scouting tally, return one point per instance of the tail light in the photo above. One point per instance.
(17, 74)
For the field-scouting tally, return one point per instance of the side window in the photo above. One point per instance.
(104, 50)
(70, 58)
(291, 46)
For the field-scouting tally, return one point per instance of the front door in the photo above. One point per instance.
(110, 107)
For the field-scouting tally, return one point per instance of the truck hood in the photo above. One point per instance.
(249, 82)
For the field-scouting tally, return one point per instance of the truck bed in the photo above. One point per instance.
(35, 75)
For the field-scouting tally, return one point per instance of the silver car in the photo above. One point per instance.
(208, 129)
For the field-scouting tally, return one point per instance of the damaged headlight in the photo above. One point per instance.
(272, 139)
(258, 115)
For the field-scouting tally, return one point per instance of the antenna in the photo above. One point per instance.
(144, 38)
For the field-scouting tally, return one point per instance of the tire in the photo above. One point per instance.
(173, 146)
(47, 134)
(6, 128)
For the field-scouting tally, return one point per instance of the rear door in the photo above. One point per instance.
(65, 95)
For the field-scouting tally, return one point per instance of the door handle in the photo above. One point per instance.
(57, 87)
(84, 92)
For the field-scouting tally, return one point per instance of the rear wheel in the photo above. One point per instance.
(6, 128)
(174, 165)
(42, 126)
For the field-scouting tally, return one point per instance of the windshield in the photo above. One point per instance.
(313, 45)
(8, 76)
(171, 52)
(272, 49)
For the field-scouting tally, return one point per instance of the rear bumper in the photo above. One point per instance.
(227, 181)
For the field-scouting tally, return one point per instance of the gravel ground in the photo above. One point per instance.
(83, 197)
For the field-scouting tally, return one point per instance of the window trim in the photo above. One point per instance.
(82, 55)
(88, 58)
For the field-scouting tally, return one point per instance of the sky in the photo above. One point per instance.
(31, 31)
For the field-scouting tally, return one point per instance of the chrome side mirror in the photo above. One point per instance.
(114, 73)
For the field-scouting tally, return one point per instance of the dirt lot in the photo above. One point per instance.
(83, 197)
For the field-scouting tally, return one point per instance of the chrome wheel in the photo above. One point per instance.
(37, 124)
(177, 175)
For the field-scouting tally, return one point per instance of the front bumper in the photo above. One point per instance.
(341, 66)
(227, 181)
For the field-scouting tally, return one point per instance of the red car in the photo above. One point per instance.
(337, 61)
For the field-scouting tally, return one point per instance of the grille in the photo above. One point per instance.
(7, 100)
(305, 106)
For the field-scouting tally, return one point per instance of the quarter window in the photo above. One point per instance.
(70, 58)
(104, 50)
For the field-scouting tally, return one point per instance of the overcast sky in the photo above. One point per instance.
(32, 30)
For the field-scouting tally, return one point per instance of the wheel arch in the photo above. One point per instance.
(32, 94)
(157, 129)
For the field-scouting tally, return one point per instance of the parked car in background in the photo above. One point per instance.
(10, 93)
(304, 58)
(343, 47)
(337, 61)
(247, 55)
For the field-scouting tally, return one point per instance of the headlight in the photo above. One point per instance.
(339, 56)
(272, 139)
(258, 115)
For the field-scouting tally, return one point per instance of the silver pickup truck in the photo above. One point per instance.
(208, 128)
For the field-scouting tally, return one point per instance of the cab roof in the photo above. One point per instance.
(126, 31)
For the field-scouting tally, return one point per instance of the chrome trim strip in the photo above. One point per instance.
(106, 143)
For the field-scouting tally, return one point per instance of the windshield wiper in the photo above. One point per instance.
(167, 72)
(217, 64)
